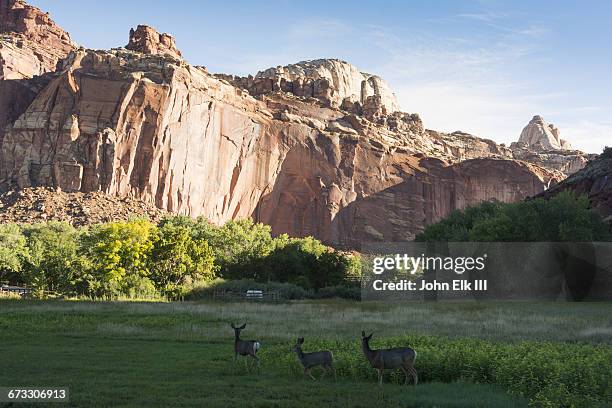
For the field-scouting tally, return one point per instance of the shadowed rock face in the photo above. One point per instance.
(594, 181)
(339, 163)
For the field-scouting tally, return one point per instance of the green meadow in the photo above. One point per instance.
(127, 354)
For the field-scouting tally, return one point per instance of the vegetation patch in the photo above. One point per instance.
(550, 375)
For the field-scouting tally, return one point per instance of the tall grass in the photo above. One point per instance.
(549, 374)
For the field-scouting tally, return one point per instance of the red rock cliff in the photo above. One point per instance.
(146, 124)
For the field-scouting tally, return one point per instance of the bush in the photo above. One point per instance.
(607, 153)
(286, 291)
(551, 375)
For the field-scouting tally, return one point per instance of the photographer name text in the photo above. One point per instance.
(407, 285)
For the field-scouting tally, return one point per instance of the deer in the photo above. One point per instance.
(399, 357)
(323, 358)
(245, 347)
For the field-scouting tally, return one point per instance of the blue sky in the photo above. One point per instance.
(484, 67)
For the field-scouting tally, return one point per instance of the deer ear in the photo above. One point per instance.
(363, 334)
(232, 324)
(370, 336)
(242, 327)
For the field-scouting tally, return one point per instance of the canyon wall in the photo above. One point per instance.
(323, 151)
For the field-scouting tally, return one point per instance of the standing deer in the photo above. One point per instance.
(245, 347)
(318, 358)
(399, 357)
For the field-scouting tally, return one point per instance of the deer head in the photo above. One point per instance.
(364, 337)
(237, 329)
(365, 340)
(298, 346)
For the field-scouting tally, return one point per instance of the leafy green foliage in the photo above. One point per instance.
(607, 153)
(13, 252)
(53, 263)
(120, 252)
(565, 217)
(177, 260)
(137, 259)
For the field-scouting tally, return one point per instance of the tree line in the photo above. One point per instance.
(138, 258)
(566, 217)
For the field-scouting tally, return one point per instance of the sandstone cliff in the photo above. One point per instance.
(314, 148)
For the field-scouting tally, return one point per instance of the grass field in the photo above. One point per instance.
(180, 354)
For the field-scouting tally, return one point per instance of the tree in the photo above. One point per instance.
(53, 260)
(119, 253)
(13, 252)
(178, 260)
(240, 246)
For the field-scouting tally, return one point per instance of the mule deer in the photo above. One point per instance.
(399, 357)
(245, 347)
(318, 358)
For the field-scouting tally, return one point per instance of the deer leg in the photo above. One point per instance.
(307, 372)
(256, 362)
(324, 372)
(405, 371)
(414, 374)
(380, 377)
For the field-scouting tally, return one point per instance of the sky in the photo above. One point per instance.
(484, 67)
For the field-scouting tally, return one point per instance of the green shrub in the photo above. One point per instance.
(285, 290)
(240, 286)
(607, 153)
(550, 374)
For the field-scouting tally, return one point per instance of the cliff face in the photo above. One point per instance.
(323, 151)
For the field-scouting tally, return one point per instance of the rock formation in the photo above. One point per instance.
(147, 40)
(542, 136)
(541, 144)
(315, 148)
(334, 82)
(30, 42)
